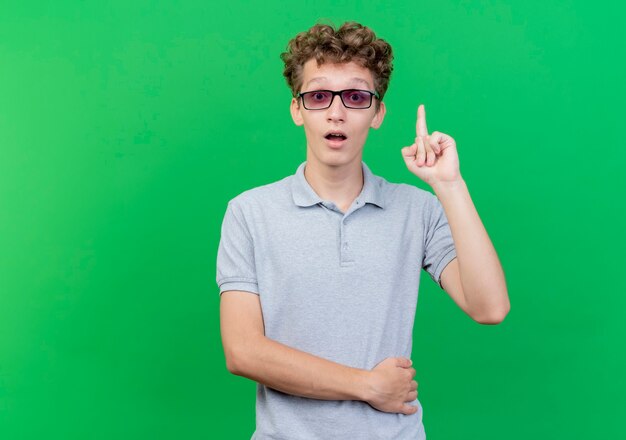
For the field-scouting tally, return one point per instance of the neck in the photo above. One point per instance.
(340, 184)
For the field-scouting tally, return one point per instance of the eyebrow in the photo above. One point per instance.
(355, 79)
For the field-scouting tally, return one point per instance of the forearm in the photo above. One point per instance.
(299, 373)
(481, 273)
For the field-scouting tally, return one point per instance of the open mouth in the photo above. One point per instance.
(336, 136)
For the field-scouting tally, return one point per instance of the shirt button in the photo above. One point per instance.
(345, 245)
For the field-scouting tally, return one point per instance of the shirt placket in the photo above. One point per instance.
(347, 257)
(346, 254)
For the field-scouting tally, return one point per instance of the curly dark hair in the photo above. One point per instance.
(351, 42)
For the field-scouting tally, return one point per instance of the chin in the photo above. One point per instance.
(336, 158)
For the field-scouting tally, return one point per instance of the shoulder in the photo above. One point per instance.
(404, 194)
(262, 197)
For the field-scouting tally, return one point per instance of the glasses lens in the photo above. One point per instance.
(356, 98)
(316, 100)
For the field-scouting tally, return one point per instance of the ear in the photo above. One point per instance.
(379, 116)
(296, 114)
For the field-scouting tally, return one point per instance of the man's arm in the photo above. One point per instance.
(249, 353)
(475, 279)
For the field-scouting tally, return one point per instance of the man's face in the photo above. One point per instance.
(354, 124)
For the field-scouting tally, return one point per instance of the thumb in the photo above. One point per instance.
(403, 362)
(410, 151)
(409, 409)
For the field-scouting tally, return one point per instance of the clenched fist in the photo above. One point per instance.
(391, 385)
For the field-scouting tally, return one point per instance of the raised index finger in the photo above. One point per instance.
(422, 130)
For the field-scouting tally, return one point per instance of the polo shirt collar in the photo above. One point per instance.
(304, 195)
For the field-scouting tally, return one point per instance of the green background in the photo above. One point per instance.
(125, 128)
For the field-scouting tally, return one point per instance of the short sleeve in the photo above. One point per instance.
(235, 255)
(439, 247)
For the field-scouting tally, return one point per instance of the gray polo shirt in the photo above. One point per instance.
(341, 286)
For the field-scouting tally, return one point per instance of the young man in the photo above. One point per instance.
(319, 272)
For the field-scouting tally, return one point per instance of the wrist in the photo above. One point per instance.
(449, 186)
(362, 388)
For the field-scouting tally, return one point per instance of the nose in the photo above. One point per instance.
(336, 112)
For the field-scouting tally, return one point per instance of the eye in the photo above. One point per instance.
(356, 97)
(318, 96)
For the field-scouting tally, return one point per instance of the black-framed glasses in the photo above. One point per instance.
(351, 98)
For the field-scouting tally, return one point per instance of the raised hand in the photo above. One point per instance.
(432, 158)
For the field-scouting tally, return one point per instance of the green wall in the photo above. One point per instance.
(126, 127)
